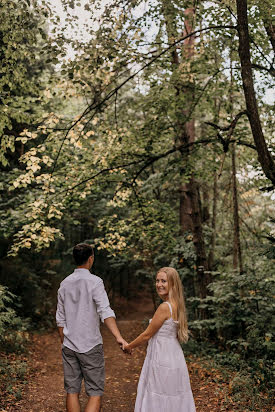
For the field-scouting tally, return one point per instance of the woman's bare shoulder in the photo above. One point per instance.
(163, 309)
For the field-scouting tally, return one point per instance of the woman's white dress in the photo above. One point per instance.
(164, 384)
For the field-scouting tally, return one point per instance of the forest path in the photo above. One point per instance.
(44, 391)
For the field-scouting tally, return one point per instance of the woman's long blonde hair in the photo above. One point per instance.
(175, 293)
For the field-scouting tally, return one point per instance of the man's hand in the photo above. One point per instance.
(61, 335)
(112, 326)
(127, 349)
(122, 343)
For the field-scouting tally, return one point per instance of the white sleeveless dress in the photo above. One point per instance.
(164, 384)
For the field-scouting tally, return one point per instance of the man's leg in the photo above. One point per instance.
(72, 402)
(93, 404)
(92, 367)
(72, 379)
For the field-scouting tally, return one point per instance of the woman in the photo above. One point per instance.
(164, 384)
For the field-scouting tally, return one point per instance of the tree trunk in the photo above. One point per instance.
(211, 255)
(205, 204)
(185, 208)
(198, 240)
(188, 136)
(213, 224)
(264, 156)
(190, 215)
(237, 252)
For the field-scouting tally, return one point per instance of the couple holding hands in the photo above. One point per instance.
(164, 384)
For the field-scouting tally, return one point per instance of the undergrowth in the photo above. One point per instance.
(13, 345)
(242, 386)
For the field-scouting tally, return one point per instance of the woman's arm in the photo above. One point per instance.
(162, 313)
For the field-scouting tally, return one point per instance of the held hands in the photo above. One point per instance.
(127, 349)
(123, 345)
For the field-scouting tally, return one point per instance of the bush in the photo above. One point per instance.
(241, 310)
(13, 329)
(13, 338)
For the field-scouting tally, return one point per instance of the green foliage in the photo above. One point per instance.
(28, 56)
(241, 316)
(23, 54)
(13, 329)
(116, 124)
(6, 314)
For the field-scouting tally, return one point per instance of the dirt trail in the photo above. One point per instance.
(45, 393)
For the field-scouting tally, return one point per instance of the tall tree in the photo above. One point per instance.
(190, 212)
(265, 157)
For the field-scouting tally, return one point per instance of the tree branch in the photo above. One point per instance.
(231, 125)
(230, 129)
(270, 70)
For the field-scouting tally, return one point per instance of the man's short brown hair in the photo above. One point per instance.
(82, 252)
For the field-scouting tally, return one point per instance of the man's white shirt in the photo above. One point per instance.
(82, 301)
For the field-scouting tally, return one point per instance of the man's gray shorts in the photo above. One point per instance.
(88, 365)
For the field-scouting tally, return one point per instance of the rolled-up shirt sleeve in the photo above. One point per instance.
(102, 302)
(60, 312)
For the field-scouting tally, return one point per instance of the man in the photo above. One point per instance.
(82, 300)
